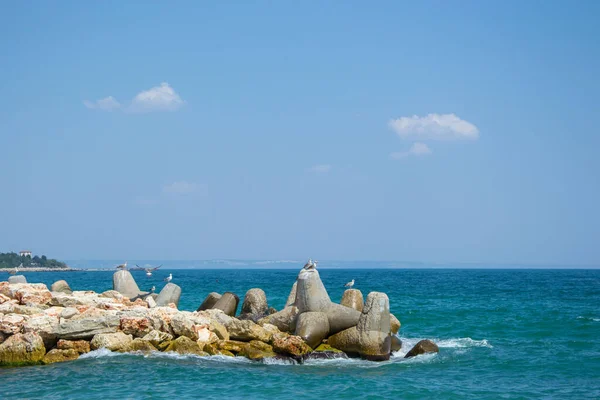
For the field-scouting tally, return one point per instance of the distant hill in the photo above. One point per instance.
(12, 260)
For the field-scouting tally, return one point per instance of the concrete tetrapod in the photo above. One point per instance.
(228, 303)
(209, 301)
(169, 294)
(124, 283)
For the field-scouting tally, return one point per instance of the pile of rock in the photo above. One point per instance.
(41, 326)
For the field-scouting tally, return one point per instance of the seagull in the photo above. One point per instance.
(349, 284)
(169, 278)
(309, 264)
(153, 289)
(14, 271)
(148, 270)
(122, 266)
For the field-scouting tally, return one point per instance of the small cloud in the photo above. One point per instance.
(106, 104)
(434, 127)
(320, 169)
(417, 150)
(185, 188)
(158, 98)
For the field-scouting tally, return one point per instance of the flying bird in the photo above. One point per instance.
(349, 284)
(169, 278)
(148, 270)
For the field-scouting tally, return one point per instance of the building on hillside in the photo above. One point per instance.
(25, 253)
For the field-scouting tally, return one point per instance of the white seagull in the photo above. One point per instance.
(122, 266)
(349, 284)
(148, 270)
(169, 278)
(309, 264)
(153, 289)
(14, 271)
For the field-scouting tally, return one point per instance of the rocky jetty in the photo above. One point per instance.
(42, 326)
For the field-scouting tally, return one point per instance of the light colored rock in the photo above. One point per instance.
(32, 294)
(209, 301)
(292, 296)
(4, 298)
(17, 279)
(22, 349)
(61, 286)
(228, 303)
(156, 337)
(112, 294)
(136, 326)
(56, 355)
(290, 345)
(117, 341)
(284, 320)
(353, 298)
(169, 294)
(247, 330)
(272, 329)
(205, 335)
(183, 326)
(69, 312)
(394, 324)
(255, 305)
(86, 328)
(80, 346)
(45, 326)
(422, 347)
(151, 302)
(124, 283)
(11, 323)
(312, 327)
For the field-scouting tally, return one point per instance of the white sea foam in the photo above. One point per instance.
(102, 352)
(589, 318)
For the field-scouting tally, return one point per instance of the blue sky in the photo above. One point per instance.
(425, 131)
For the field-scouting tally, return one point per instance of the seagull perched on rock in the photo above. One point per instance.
(169, 278)
(122, 266)
(153, 289)
(349, 284)
(310, 264)
(14, 271)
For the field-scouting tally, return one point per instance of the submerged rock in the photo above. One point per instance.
(423, 347)
(22, 349)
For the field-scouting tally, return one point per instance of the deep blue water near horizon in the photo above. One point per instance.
(501, 333)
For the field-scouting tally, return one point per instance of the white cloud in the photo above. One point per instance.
(106, 104)
(417, 149)
(158, 98)
(320, 169)
(184, 188)
(434, 127)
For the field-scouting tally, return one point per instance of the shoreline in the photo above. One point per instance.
(40, 269)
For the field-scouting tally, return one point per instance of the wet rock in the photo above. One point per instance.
(156, 338)
(326, 352)
(255, 305)
(246, 331)
(422, 347)
(290, 345)
(61, 286)
(136, 326)
(185, 345)
(86, 328)
(22, 349)
(394, 324)
(209, 301)
(80, 346)
(396, 343)
(17, 279)
(124, 283)
(169, 294)
(232, 346)
(257, 351)
(117, 341)
(353, 298)
(312, 327)
(228, 303)
(284, 320)
(141, 345)
(57, 355)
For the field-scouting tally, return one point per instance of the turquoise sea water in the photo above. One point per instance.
(502, 334)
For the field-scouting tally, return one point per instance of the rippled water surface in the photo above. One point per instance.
(501, 333)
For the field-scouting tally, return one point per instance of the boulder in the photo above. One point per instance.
(228, 303)
(17, 279)
(57, 355)
(312, 296)
(141, 345)
(22, 349)
(169, 294)
(257, 351)
(326, 352)
(86, 328)
(80, 346)
(117, 341)
(312, 327)
(213, 350)
(151, 302)
(232, 346)
(292, 296)
(255, 305)
(205, 335)
(136, 326)
(396, 343)
(11, 323)
(209, 301)
(112, 294)
(247, 330)
(185, 345)
(124, 283)
(290, 345)
(61, 286)
(353, 298)
(183, 326)
(45, 326)
(423, 347)
(370, 338)
(33, 294)
(394, 324)
(284, 320)
(156, 337)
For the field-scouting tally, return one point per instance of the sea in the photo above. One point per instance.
(511, 333)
